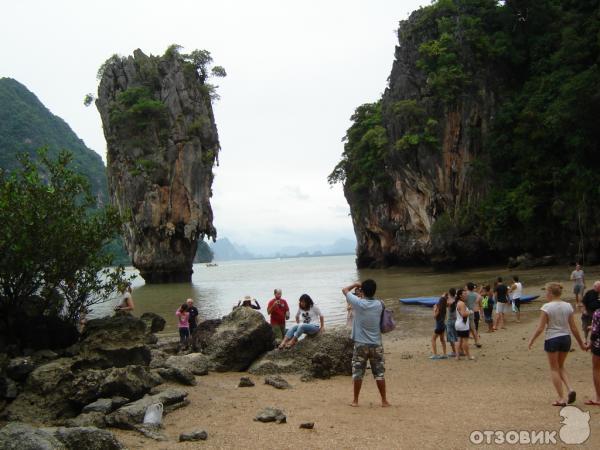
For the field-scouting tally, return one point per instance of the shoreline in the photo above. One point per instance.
(434, 402)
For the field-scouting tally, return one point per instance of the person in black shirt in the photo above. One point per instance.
(193, 315)
(591, 302)
(502, 305)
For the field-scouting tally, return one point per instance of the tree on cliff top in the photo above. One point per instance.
(52, 263)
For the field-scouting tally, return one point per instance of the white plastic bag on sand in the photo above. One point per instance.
(154, 414)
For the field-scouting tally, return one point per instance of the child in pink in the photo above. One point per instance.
(184, 323)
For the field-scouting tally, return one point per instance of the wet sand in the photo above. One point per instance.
(434, 403)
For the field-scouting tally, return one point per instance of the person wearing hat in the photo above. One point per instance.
(247, 301)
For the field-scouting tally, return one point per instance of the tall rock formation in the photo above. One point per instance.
(162, 144)
(409, 157)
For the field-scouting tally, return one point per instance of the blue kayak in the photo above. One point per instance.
(430, 301)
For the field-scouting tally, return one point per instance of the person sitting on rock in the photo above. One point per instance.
(247, 302)
(125, 305)
(312, 322)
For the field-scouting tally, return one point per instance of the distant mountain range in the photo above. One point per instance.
(225, 250)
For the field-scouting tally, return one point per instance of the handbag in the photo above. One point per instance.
(386, 322)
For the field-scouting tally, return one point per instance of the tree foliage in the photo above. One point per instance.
(52, 259)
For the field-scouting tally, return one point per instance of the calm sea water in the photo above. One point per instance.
(216, 290)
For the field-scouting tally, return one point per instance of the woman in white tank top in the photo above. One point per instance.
(462, 325)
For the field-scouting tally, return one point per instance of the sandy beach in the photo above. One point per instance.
(434, 403)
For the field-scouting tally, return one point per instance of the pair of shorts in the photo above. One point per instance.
(368, 352)
(474, 321)
(487, 314)
(578, 289)
(278, 331)
(517, 303)
(502, 307)
(451, 332)
(462, 333)
(440, 327)
(595, 351)
(586, 321)
(558, 344)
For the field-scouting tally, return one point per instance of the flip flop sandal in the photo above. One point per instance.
(561, 404)
(591, 403)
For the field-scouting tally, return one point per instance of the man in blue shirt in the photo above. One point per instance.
(366, 334)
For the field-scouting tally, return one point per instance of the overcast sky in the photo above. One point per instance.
(296, 72)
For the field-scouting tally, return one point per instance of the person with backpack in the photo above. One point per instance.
(366, 334)
(487, 304)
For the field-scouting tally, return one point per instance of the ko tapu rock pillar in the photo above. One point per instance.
(162, 143)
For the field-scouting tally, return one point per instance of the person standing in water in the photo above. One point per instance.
(366, 334)
(125, 305)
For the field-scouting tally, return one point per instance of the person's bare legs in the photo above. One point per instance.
(381, 387)
(459, 349)
(283, 343)
(596, 376)
(453, 345)
(443, 341)
(562, 356)
(291, 342)
(466, 348)
(357, 385)
(433, 346)
(555, 375)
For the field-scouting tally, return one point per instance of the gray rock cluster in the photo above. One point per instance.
(319, 356)
(21, 436)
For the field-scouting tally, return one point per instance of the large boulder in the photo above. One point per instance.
(132, 414)
(57, 390)
(21, 436)
(154, 322)
(236, 341)
(88, 438)
(114, 342)
(19, 368)
(333, 351)
(197, 363)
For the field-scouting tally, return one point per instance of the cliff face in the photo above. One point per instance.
(432, 150)
(162, 143)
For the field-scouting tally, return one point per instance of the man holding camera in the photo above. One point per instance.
(279, 311)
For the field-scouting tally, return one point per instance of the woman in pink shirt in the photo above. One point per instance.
(184, 323)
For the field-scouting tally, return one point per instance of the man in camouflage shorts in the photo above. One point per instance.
(366, 352)
(366, 335)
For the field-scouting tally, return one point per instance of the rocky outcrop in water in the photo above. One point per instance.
(162, 143)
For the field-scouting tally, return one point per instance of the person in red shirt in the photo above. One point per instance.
(279, 311)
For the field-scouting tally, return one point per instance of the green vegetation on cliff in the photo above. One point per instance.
(538, 171)
(26, 125)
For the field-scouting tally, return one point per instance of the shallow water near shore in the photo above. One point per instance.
(216, 290)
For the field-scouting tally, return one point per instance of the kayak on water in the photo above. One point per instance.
(430, 301)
